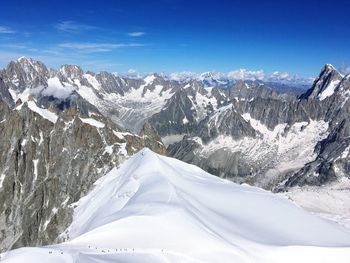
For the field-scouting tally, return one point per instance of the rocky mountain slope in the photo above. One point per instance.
(66, 127)
(275, 142)
(244, 130)
(50, 157)
(159, 209)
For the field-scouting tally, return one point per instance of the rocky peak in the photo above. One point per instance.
(152, 138)
(148, 130)
(153, 81)
(325, 85)
(71, 71)
(225, 121)
(26, 73)
(110, 83)
(196, 86)
(212, 79)
(31, 66)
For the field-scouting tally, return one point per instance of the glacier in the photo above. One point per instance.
(159, 209)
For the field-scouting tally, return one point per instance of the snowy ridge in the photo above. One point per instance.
(46, 114)
(93, 122)
(158, 209)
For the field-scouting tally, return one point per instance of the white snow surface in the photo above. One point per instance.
(283, 148)
(332, 199)
(93, 122)
(133, 108)
(46, 114)
(173, 138)
(329, 90)
(158, 209)
(57, 89)
(148, 81)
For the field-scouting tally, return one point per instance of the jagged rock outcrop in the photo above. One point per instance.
(324, 85)
(46, 166)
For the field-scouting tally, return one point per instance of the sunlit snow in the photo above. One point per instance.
(158, 209)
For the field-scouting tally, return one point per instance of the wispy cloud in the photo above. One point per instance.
(15, 46)
(97, 47)
(73, 27)
(6, 30)
(136, 34)
(244, 74)
(19, 46)
(344, 69)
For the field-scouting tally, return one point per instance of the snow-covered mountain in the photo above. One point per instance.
(234, 128)
(281, 81)
(158, 209)
(268, 139)
(240, 129)
(50, 157)
(243, 130)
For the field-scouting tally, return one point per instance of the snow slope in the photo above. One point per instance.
(158, 209)
(45, 113)
(329, 90)
(274, 151)
(330, 201)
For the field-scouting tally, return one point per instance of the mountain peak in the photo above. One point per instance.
(71, 71)
(328, 68)
(24, 58)
(325, 85)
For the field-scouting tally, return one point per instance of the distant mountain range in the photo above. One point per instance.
(65, 127)
(281, 81)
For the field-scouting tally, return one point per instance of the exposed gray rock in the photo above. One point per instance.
(271, 110)
(47, 166)
(328, 75)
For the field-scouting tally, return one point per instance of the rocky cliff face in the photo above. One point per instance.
(49, 161)
(325, 84)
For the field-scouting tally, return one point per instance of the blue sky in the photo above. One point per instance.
(177, 35)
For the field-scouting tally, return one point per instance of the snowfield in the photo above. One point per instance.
(158, 209)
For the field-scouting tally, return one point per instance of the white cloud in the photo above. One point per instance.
(73, 27)
(97, 47)
(131, 70)
(277, 75)
(244, 74)
(6, 30)
(136, 34)
(286, 78)
(56, 89)
(183, 76)
(15, 46)
(344, 69)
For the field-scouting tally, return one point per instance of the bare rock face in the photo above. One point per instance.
(46, 167)
(328, 75)
(151, 138)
